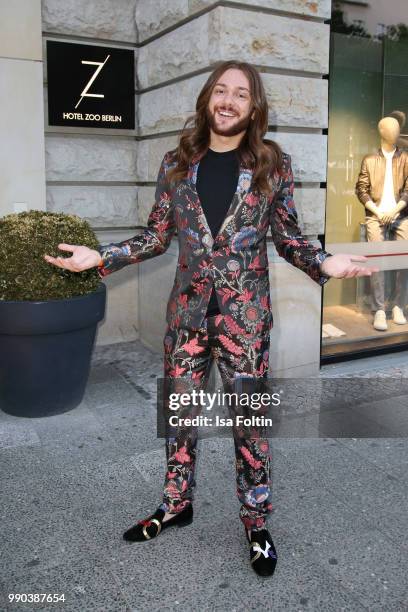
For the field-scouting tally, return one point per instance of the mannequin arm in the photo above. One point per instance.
(403, 197)
(370, 205)
(401, 205)
(404, 192)
(363, 188)
(389, 217)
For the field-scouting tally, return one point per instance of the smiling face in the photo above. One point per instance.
(230, 108)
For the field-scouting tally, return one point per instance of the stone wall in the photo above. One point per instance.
(291, 50)
(109, 177)
(22, 181)
(92, 172)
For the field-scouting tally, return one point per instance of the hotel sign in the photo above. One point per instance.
(90, 86)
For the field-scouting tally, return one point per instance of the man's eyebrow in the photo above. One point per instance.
(224, 85)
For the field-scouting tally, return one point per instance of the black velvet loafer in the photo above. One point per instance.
(262, 552)
(151, 527)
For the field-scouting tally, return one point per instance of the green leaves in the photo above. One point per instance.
(24, 240)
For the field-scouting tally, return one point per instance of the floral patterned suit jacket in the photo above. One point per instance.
(235, 260)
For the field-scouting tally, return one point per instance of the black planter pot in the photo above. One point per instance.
(45, 353)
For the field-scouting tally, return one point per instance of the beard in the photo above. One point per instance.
(233, 130)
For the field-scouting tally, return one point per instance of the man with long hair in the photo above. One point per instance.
(221, 189)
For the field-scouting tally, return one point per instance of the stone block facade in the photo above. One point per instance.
(294, 101)
(22, 182)
(108, 176)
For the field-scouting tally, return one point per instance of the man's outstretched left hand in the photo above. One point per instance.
(342, 265)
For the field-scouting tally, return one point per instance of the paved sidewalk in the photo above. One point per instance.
(72, 483)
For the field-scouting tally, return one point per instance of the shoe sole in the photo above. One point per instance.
(380, 327)
(266, 575)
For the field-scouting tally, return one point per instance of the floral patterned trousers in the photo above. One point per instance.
(188, 357)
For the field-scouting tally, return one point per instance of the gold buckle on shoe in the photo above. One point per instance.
(156, 522)
(258, 553)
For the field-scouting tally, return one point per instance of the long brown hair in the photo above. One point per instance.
(263, 156)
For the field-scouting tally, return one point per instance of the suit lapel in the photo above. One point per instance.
(243, 187)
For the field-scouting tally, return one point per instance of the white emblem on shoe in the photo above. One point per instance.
(258, 548)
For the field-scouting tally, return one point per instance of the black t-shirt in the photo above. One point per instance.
(217, 180)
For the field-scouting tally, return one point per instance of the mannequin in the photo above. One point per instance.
(382, 186)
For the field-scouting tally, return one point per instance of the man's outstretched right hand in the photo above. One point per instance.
(82, 258)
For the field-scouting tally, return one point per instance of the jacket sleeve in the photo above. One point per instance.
(363, 185)
(286, 233)
(152, 240)
(404, 191)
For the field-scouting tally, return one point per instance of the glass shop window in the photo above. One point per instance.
(368, 83)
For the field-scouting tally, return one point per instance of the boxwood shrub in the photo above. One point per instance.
(24, 240)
